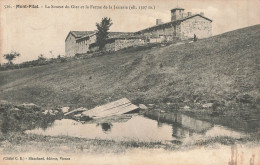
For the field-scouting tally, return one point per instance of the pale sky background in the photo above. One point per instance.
(32, 32)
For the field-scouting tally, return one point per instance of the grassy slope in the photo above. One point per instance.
(218, 68)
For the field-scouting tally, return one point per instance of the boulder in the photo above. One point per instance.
(16, 109)
(4, 102)
(78, 116)
(142, 106)
(65, 109)
(28, 105)
(45, 112)
(51, 112)
(55, 111)
(186, 107)
(208, 105)
(75, 111)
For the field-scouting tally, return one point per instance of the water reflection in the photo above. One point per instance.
(19, 121)
(180, 121)
(106, 127)
(174, 127)
(180, 132)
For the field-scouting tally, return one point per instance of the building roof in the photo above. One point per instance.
(110, 34)
(123, 37)
(79, 34)
(119, 34)
(86, 36)
(177, 8)
(172, 23)
(195, 16)
(82, 33)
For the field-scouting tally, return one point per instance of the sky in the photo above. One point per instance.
(32, 32)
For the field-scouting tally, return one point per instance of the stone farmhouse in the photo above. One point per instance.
(78, 42)
(182, 26)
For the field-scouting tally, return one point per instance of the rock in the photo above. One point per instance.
(51, 112)
(186, 107)
(16, 109)
(208, 105)
(142, 106)
(55, 111)
(65, 109)
(76, 111)
(29, 105)
(179, 43)
(78, 116)
(4, 102)
(45, 112)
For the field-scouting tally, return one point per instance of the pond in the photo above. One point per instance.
(182, 129)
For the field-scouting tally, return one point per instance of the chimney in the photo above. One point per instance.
(176, 14)
(158, 22)
(202, 13)
(189, 14)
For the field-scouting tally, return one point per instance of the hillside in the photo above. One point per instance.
(223, 69)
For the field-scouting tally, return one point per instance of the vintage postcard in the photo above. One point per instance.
(130, 82)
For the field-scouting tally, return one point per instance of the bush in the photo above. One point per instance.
(245, 99)
(218, 108)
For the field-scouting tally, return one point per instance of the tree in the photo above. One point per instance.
(102, 33)
(41, 57)
(11, 56)
(51, 54)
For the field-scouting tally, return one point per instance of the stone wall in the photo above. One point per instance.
(118, 44)
(110, 47)
(169, 31)
(183, 29)
(177, 30)
(155, 40)
(92, 39)
(70, 46)
(94, 49)
(160, 31)
(196, 25)
(83, 44)
(124, 43)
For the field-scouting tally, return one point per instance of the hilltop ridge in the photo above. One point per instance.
(223, 69)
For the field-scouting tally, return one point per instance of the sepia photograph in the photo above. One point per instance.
(130, 82)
